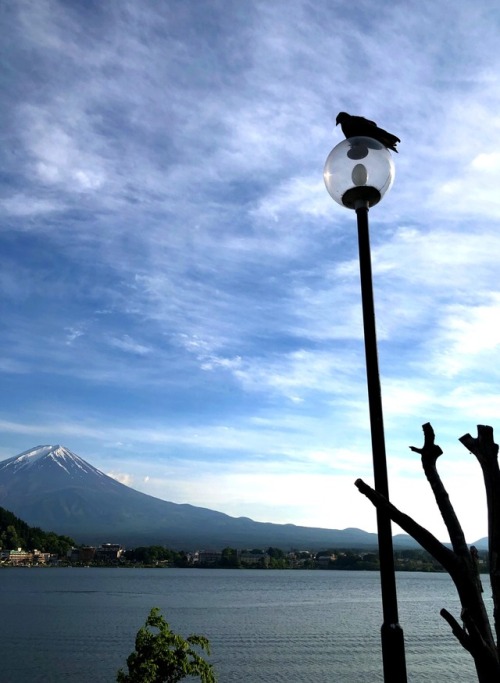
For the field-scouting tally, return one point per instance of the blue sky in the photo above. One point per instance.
(180, 295)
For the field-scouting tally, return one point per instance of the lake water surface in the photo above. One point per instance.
(76, 625)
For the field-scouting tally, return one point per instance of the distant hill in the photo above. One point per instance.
(482, 543)
(15, 533)
(52, 488)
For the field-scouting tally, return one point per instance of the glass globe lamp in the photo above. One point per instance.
(358, 172)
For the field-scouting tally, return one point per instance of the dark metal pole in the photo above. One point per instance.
(393, 647)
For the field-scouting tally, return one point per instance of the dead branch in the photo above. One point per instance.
(430, 453)
(459, 633)
(486, 451)
(427, 540)
(475, 636)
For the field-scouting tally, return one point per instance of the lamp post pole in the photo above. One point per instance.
(392, 638)
(357, 174)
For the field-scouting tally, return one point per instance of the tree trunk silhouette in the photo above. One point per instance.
(475, 634)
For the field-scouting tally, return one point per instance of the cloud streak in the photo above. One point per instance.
(177, 284)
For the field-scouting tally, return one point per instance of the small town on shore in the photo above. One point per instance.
(115, 555)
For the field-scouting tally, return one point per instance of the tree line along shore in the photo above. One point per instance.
(22, 545)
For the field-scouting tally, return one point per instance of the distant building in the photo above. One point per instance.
(19, 556)
(41, 558)
(324, 560)
(207, 557)
(254, 558)
(85, 554)
(73, 554)
(108, 552)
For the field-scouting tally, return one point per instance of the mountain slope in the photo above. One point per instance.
(51, 487)
(15, 533)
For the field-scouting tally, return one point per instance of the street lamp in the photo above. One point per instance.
(358, 172)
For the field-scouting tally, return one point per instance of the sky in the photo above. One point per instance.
(180, 297)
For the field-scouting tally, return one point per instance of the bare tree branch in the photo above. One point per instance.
(427, 540)
(486, 451)
(457, 630)
(430, 453)
(461, 562)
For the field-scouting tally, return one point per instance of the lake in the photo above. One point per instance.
(75, 625)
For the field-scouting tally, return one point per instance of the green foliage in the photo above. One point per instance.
(277, 559)
(276, 553)
(152, 555)
(14, 533)
(164, 656)
(416, 560)
(230, 558)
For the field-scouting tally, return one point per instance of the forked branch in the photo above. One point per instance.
(461, 563)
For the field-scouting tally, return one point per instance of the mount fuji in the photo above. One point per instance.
(56, 490)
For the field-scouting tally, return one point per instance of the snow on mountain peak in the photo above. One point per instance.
(58, 455)
(38, 452)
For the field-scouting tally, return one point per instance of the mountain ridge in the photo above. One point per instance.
(51, 487)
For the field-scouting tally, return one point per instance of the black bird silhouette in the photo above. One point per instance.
(358, 125)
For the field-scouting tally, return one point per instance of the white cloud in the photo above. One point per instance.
(21, 204)
(129, 345)
(122, 477)
(180, 191)
(487, 161)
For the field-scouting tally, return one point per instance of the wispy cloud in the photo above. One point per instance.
(175, 277)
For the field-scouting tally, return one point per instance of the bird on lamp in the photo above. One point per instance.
(353, 126)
